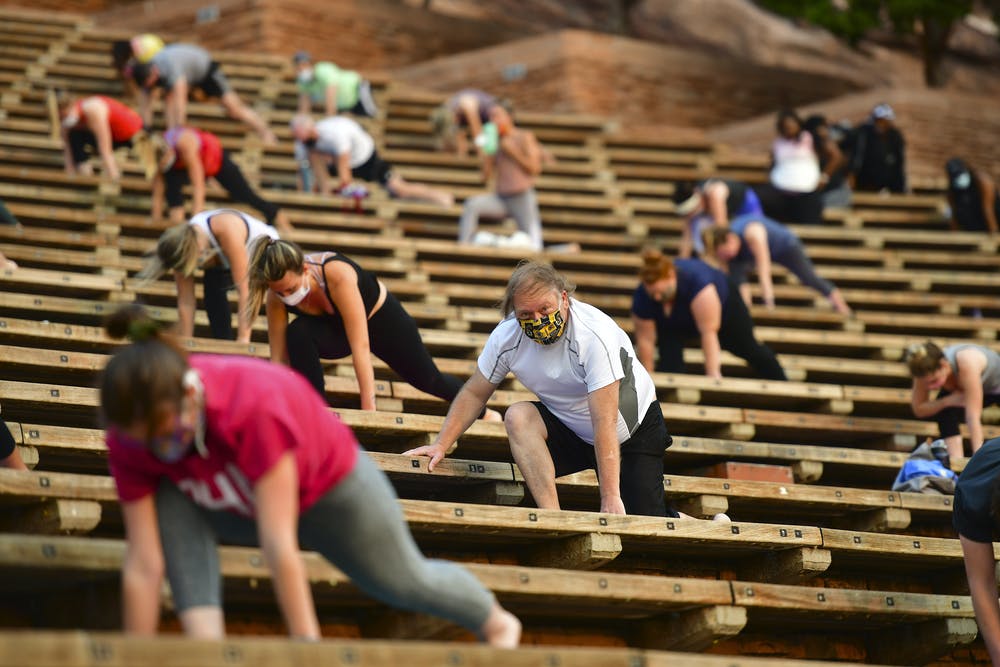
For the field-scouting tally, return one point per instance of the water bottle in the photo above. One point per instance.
(489, 139)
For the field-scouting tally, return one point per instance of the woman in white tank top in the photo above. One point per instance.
(217, 242)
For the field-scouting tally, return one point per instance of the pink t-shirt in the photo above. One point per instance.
(255, 411)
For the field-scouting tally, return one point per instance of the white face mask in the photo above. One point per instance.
(305, 76)
(963, 180)
(295, 298)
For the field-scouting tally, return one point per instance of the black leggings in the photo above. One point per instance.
(393, 337)
(229, 177)
(735, 336)
(217, 283)
(950, 419)
(81, 140)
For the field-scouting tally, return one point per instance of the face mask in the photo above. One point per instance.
(173, 447)
(963, 180)
(545, 330)
(305, 76)
(295, 298)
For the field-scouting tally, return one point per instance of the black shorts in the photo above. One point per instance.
(215, 83)
(375, 170)
(641, 459)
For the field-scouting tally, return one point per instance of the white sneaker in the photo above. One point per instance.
(484, 238)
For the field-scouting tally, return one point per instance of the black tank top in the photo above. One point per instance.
(367, 282)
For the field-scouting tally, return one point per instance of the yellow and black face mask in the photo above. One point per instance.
(545, 330)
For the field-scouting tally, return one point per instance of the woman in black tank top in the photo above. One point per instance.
(341, 310)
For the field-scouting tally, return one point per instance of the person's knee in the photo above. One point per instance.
(522, 419)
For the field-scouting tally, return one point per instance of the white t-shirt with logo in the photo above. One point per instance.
(592, 353)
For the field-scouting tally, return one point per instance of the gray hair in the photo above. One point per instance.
(531, 275)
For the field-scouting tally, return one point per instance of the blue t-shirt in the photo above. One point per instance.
(780, 239)
(693, 275)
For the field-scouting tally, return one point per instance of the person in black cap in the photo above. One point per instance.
(878, 160)
(973, 198)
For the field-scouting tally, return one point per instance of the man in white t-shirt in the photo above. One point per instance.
(339, 146)
(597, 406)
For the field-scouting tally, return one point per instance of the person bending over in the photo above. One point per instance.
(338, 146)
(677, 300)
(218, 242)
(341, 310)
(759, 242)
(205, 448)
(187, 155)
(966, 378)
(596, 406)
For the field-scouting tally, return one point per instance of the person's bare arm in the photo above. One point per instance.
(344, 169)
(645, 340)
(603, 405)
(186, 304)
(468, 106)
(342, 281)
(706, 310)
(305, 103)
(187, 148)
(277, 502)
(971, 364)
(68, 163)
(277, 326)
(142, 569)
(922, 404)
(464, 410)
(755, 236)
(156, 197)
(175, 106)
(95, 110)
(980, 570)
(321, 174)
(717, 193)
(146, 107)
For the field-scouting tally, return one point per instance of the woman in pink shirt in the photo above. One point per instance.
(210, 447)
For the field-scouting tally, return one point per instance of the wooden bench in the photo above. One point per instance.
(706, 610)
(89, 649)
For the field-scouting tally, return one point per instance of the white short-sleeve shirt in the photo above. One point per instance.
(592, 353)
(339, 135)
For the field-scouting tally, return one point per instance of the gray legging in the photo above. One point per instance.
(794, 259)
(357, 526)
(523, 207)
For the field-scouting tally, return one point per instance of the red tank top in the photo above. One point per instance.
(209, 149)
(123, 121)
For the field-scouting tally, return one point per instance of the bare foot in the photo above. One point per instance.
(501, 629)
(491, 415)
(268, 138)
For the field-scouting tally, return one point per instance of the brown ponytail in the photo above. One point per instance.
(655, 266)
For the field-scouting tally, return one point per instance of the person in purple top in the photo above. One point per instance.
(686, 298)
(753, 240)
